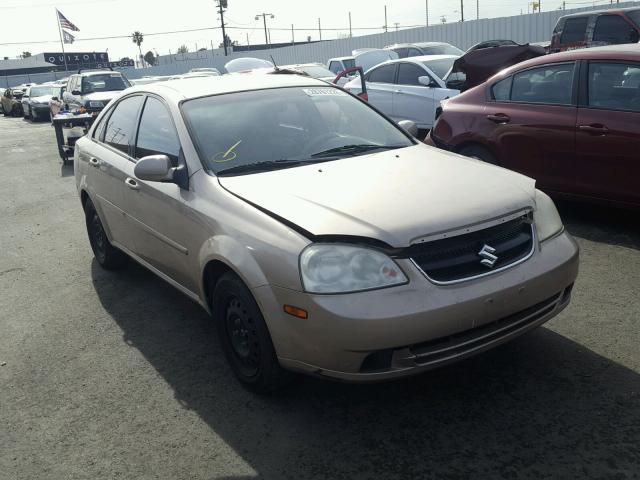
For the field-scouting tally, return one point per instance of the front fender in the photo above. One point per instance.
(236, 256)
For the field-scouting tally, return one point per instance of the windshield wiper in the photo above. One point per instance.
(351, 149)
(260, 167)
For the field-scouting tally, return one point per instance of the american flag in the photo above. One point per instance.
(64, 23)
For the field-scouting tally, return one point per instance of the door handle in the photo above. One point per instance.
(594, 129)
(94, 162)
(398, 91)
(131, 183)
(499, 118)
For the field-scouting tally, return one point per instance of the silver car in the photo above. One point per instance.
(320, 235)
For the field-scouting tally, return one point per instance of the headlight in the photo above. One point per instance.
(333, 268)
(96, 104)
(546, 217)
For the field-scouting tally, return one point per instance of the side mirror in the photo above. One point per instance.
(154, 168)
(55, 99)
(76, 92)
(409, 126)
(427, 81)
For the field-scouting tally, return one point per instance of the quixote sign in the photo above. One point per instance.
(77, 59)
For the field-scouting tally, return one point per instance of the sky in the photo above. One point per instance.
(35, 21)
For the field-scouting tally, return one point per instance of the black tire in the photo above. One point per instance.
(245, 337)
(480, 153)
(109, 257)
(34, 116)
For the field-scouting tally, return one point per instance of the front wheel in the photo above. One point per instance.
(34, 116)
(109, 257)
(245, 338)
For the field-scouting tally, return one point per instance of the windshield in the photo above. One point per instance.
(317, 72)
(439, 67)
(107, 82)
(42, 91)
(634, 15)
(286, 125)
(441, 50)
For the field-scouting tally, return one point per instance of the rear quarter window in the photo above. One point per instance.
(501, 91)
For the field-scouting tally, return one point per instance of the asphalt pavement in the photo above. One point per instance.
(119, 376)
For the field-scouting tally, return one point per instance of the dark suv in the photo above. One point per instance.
(92, 91)
(596, 29)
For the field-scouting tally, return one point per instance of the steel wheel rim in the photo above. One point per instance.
(242, 335)
(99, 237)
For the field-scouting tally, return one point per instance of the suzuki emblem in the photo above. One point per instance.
(488, 257)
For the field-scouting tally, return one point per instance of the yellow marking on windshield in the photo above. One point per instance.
(231, 149)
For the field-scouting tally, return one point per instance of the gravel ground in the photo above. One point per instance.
(117, 375)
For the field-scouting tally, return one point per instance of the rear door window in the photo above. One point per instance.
(120, 127)
(551, 84)
(414, 52)
(385, 74)
(613, 29)
(408, 74)
(574, 30)
(614, 86)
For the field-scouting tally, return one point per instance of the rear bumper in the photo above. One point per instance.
(373, 336)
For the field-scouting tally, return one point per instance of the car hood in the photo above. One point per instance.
(101, 96)
(480, 65)
(397, 196)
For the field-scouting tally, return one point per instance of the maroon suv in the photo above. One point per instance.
(570, 120)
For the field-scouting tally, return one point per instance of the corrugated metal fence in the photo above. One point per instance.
(522, 29)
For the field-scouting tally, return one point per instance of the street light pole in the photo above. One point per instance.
(462, 10)
(385, 19)
(319, 29)
(350, 32)
(264, 19)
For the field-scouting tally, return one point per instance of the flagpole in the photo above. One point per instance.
(64, 55)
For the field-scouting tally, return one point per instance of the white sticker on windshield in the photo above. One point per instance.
(317, 92)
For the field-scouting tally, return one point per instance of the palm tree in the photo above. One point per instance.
(137, 38)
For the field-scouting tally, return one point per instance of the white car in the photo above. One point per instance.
(408, 88)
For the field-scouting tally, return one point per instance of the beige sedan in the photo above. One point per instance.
(320, 235)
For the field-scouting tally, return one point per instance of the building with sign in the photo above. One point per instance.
(55, 62)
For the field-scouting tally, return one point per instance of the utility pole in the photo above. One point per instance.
(462, 10)
(247, 39)
(350, 32)
(427, 11)
(385, 19)
(319, 29)
(264, 19)
(293, 36)
(477, 9)
(397, 25)
(222, 4)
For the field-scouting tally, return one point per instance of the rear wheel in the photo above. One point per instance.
(480, 153)
(245, 337)
(109, 257)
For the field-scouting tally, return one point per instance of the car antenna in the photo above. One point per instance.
(274, 64)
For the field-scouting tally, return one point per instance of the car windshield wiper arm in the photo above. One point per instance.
(365, 147)
(260, 167)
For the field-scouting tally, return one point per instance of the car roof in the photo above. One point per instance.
(422, 58)
(342, 58)
(625, 52)
(99, 72)
(610, 52)
(600, 12)
(188, 88)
